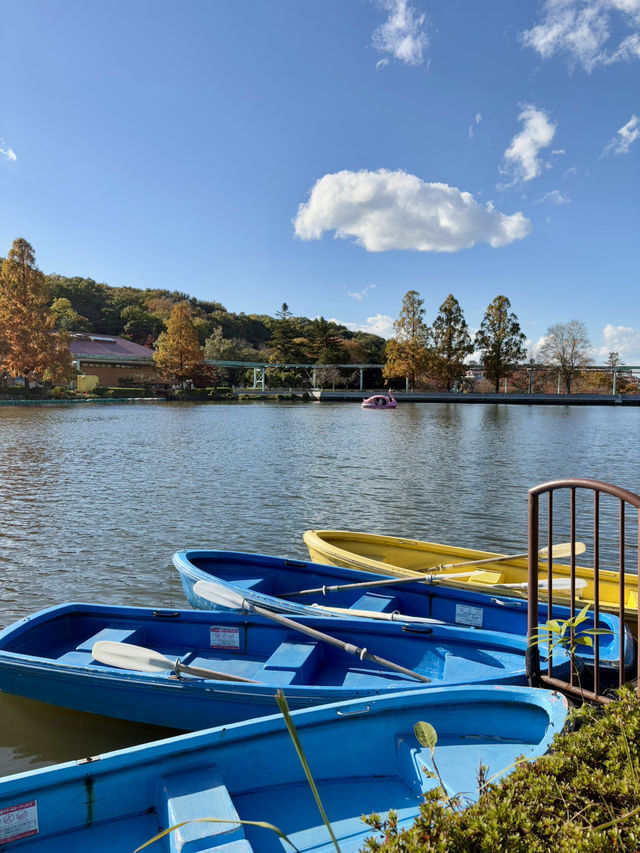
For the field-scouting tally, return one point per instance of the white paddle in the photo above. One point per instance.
(556, 583)
(375, 614)
(219, 594)
(561, 550)
(128, 656)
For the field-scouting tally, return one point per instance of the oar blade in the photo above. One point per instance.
(220, 594)
(128, 656)
(562, 550)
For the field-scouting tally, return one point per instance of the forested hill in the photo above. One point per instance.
(82, 304)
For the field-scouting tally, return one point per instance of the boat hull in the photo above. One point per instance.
(49, 657)
(264, 580)
(363, 756)
(397, 556)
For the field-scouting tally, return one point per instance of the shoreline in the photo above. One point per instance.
(299, 395)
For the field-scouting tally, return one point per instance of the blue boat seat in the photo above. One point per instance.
(250, 583)
(412, 757)
(295, 661)
(82, 656)
(377, 602)
(195, 794)
(116, 635)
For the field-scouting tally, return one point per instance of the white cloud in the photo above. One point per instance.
(9, 153)
(554, 197)
(522, 156)
(387, 210)
(381, 325)
(402, 35)
(360, 295)
(582, 29)
(624, 340)
(477, 121)
(626, 136)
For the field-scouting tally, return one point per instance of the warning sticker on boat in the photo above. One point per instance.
(225, 638)
(467, 615)
(19, 821)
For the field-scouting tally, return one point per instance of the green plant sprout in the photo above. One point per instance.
(561, 633)
(261, 823)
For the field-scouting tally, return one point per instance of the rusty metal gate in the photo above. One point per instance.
(610, 519)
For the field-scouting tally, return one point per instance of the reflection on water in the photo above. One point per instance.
(95, 501)
(34, 735)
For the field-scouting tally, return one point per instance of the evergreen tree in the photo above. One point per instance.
(325, 344)
(285, 340)
(408, 353)
(31, 347)
(500, 340)
(178, 354)
(567, 346)
(451, 342)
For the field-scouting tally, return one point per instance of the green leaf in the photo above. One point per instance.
(580, 617)
(261, 823)
(426, 734)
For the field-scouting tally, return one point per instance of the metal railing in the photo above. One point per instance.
(628, 576)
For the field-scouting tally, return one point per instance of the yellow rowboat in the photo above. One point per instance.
(398, 557)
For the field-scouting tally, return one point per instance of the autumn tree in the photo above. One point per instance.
(500, 340)
(451, 342)
(567, 347)
(178, 354)
(31, 347)
(408, 352)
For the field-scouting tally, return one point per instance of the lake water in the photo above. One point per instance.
(94, 500)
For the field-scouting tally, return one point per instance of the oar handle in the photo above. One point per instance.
(198, 672)
(334, 641)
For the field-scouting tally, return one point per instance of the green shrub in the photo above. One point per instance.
(583, 796)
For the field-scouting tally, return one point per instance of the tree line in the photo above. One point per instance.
(38, 314)
(439, 354)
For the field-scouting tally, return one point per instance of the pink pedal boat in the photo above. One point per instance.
(379, 401)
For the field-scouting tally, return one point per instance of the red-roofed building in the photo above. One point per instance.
(111, 359)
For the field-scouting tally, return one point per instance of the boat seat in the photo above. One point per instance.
(295, 661)
(114, 634)
(377, 602)
(250, 583)
(195, 794)
(411, 758)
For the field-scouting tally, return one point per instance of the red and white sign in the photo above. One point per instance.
(225, 638)
(19, 821)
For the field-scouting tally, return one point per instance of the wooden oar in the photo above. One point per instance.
(561, 550)
(219, 594)
(128, 656)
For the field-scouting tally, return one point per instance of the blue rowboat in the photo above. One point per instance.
(53, 656)
(271, 581)
(363, 755)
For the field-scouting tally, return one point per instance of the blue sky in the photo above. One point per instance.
(333, 154)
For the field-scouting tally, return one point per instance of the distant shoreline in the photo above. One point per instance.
(297, 395)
